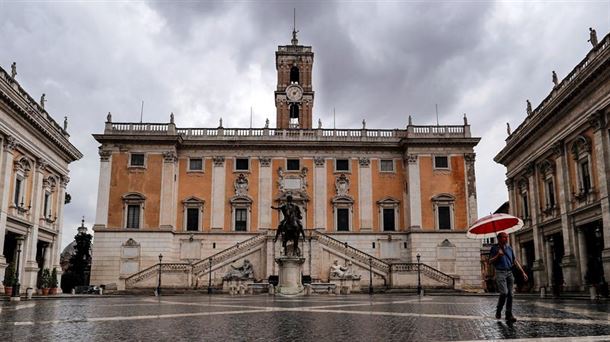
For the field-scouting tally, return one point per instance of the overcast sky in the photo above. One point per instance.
(378, 61)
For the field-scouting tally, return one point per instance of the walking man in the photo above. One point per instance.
(503, 259)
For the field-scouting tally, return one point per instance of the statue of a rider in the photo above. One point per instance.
(291, 227)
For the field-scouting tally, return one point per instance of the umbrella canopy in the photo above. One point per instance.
(491, 225)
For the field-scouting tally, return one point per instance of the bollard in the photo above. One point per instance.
(28, 293)
(271, 289)
(542, 292)
(73, 291)
(592, 293)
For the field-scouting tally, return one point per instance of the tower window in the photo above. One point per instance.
(294, 74)
(294, 111)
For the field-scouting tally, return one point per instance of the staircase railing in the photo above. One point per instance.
(352, 252)
(198, 268)
(429, 271)
(203, 266)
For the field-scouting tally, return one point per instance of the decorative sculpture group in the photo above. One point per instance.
(243, 272)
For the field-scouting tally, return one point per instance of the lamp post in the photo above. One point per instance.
(554, 275)
(370, 275)
(159, 283)
(210, 278)
(16, 285)
(602, 279)
(418, 274)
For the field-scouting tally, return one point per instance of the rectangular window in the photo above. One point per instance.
(586, 176)
(47, 204)
(388, 219)
(293, 165)
(387, 165)
(525, 205)
(195, 164)
(137, 159)
(441, 162)
(444, 217)
(550, 190)
(133, 216)
(342, 165)
(192, 219)
(17, 199)
(241, 220)
(241, 164)
(343, 219)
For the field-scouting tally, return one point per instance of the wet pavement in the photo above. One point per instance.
(323, 318)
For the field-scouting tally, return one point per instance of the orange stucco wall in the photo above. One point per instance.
(435, 182)
(388, 184)
(144, 181)
(194, 184)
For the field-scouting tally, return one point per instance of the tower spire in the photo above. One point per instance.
(294, 40)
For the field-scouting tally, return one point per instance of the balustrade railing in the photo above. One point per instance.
(352, 252)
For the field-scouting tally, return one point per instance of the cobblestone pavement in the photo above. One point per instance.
(315, 318)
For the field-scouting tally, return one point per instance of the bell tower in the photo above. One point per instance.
(294, 94)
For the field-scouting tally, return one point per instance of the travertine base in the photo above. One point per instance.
(290, 275)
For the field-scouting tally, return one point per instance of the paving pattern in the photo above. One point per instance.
(315, 318)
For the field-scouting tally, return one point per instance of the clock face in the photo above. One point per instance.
(294, 92)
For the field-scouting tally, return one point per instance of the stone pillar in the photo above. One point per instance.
(31, 241)
(512, 206)
(103, 189)
(365, 194)
(56, 245)
(218, 193)
(582, 256)
(599, 123)
(414, 192)
(6, 171)
(471, 189)
(549, 263)
(538, 265)
(265, 193)
(320, 201)
(167, 209)
(568, 262)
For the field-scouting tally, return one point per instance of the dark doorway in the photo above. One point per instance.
(557, 252)
(594, 241)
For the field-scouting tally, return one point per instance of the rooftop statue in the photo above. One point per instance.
(13, 70)
(291, 227)
(555, 80)
(43, 100)
(592, 37)
(529, 107)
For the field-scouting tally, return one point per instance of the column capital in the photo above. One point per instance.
(470, 158)
(597, 120)
(104, 154)
(10, 143)
(219, 161)
(169, 157)
(41, 165)
(510, 185)
(319, 161)
(558, 149)
(412, 158)
(364, 162)
(265, 161)
(64, 181)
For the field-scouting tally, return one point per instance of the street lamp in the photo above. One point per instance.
(418, 256)
(159, 283)
(370, 275)
(210, 278)
(16, 285)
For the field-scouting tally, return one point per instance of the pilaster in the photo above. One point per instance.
(103, 189)
(6, 170)
(320, 201)
(31, 240)
(414, 192)
(167, 209)
(365, 194)
(218, 193)
(471, 189)
(265, 192)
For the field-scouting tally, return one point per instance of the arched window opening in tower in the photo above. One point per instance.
(294, 116)
(294, 75)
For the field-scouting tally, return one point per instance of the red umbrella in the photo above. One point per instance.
(491, 225)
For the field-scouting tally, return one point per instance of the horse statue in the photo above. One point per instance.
(290, 228)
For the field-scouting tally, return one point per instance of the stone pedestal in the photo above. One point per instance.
(290, 275)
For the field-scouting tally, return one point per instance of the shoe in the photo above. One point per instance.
(498, 314)
(511, 319)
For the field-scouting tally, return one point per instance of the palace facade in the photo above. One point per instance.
(201, 198)
(34, 157)
(558, 168)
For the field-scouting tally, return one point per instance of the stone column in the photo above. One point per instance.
(512, 206)
(167, 208)
(56, 245)
(549, 263)
(538, 265)
(103, 189)
(31, 241)
(471, 189)
(265, 193)
(6, 171)
(602, 169)
(414, 192)
(218, 193)
(365, 194)
(320, 201)
(582, 256)
(568, 262)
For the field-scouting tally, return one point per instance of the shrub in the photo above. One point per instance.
(9, 275)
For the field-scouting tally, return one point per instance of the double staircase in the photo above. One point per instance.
(201, 268)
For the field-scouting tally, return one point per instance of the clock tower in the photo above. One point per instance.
(294, 94)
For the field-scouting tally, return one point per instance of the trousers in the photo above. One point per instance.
(505, 281)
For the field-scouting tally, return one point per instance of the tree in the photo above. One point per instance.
(80, 262)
